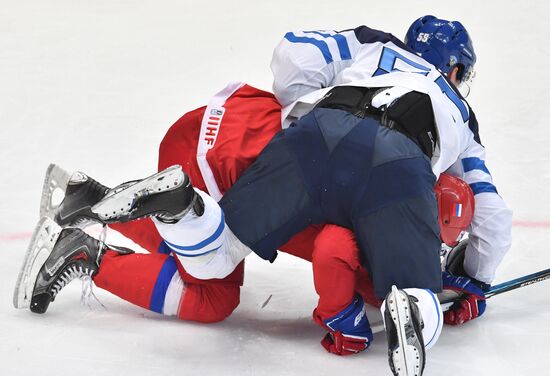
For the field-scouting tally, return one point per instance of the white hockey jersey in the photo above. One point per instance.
(307, 64)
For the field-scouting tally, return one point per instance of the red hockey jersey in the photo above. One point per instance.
(231, 130)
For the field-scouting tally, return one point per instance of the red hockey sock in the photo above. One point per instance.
(338, 274)
(335, 261)
(141, 279)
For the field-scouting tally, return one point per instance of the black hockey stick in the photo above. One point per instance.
(506, 286)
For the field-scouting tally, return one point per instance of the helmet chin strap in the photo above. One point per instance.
(465, 84)
(464, 89)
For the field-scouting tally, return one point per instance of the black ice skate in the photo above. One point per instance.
(79, 192)
(403, 323)
(54, 258)
(167, 195)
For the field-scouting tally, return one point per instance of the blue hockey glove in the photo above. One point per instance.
(472, 303)
(349, 330)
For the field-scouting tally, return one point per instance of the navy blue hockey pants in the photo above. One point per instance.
(334, 167)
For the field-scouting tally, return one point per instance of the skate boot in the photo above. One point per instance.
(403, 323)
(167, 195)
(80, 193)
(54, 258)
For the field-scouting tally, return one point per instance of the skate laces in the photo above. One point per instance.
(87, 282)
(85, 275)
(88, 293)
(72, 272)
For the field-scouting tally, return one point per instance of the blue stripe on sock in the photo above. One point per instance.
(483, 187)
(196, 254)
(474, 163)
(169, 268)
(203, 243)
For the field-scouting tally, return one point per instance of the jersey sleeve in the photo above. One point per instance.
(307, 61)
(491, 229)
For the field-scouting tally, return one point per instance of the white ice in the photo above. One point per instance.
(93, 85)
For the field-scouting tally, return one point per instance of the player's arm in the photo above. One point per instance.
(489, 233)
(307, 61)
(491, 228)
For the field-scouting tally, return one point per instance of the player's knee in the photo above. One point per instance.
(335, 243)
(231, 301)
(209, 303)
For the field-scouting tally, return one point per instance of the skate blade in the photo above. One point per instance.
(53, 190)
(42, 242)
(119, 201)
(406, 359)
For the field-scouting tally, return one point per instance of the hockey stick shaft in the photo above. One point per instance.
(518, 282)
(507, 286)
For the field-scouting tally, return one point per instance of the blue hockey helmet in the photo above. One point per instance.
(444, 44)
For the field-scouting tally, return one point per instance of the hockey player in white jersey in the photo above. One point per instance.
(308, 65)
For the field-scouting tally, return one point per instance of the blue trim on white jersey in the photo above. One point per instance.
(203, 243)
(454, 97)
(389, 57)
(169, 268)
(483, 187)
(341, 41)
(322, 46)
(474, 163)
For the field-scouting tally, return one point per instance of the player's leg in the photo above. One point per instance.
(413, 321)
(339, 279)
(340, 309)
(190, 222)
(413, 317)
(337, 270)
(399, 235)
(152, 281)
(167, 194)
(338, 273)
(208, 303)
(335, 267)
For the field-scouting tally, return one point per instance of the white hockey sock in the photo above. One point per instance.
(205, 245)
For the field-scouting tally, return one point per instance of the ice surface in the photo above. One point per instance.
(93, 85)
